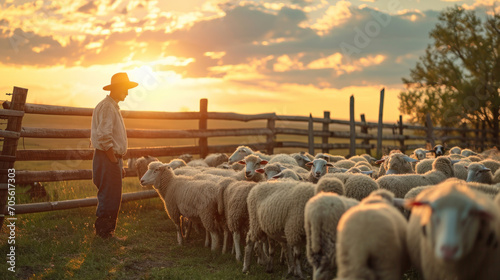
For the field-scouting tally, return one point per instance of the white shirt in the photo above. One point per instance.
(108, 130)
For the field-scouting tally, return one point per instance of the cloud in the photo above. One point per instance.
(88, 8)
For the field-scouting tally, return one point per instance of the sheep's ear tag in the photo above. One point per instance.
(260, 170)
(242, 162)
(412, 203)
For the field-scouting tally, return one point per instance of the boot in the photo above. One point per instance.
(104, 226)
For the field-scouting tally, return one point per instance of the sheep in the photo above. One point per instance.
(242, 151)
(369, 158)
(186, 157)
(197, 163)
(288, 174)
(141, 165)
(328, 157)
(176, 163)
(455, 150)
(188, 171)
(357, 186)
(234, 200)
(185, 197)
(214, 160)
(453, 233)
(234, 166)
(361, 169)
(319, 167)
(321, 216)
(357, 159)
(424, 166)
(345, 163)
(474, 158)
(402, 183)
(496, 177)
(419, 154)
(131, 163)
(401, 164)
(276, 212)
(363, 163)
(384, 255)
(284, 159)
(493, 165)
(479, 173)
(331, 184)
(468, 153)
(253, 170)
(460, 169)
(302, 158)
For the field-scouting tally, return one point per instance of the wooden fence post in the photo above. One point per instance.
(478, 136)
(311, 135)
(203, 126)
(380, 123)
(364, 130)
(463, 128)
(352, 143)
(484, 135)
(326, 125)
(402, 146)
(10, 147)
(430, 130)
(271, 125)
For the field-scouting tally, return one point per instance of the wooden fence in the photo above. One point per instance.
(358, 134)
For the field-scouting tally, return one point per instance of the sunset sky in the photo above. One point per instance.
(291, 57)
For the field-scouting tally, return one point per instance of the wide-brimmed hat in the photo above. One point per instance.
(120, 80)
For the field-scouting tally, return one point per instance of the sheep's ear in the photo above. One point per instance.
(466, 167)
(380, 161)
(343, 170)
(409, 159)
(277, 176)
(309, 163)
(367, 172)
(329, 164)
(263, 162)
(453, 161)
(410, 203)
(242, 162)
(484, 170)
(481, 213)
(282, 168)
(260, 170)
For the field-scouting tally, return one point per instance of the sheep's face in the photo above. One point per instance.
(253, 165)
(271, 170)
(399, 164)
(319, 167)
(420, 154)
(478, 173)
(451, 224)
(301, 160)
(240, 153)
(155, 170)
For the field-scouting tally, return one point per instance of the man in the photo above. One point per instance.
(109, 138)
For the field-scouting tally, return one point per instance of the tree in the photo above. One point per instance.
(458, 78)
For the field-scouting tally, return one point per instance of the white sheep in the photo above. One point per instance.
(419, 154)
(493, 165)
(253, 169)
(319, 167)
(276, 212)
(141, 165)
(284, 159)
(288, 174)
(453, 233)
(424, 166)
(329, 157)
(371, 240)
(357, 186)
(197, 163)
(400, 184)
(468, 153)
(321, 216)
(242, 151)
(302, 158)
(395, 163)
(234, 200)
(479, 173)
(213, 160)
(455, 150)
(186, 157)
(345, 163)
(496, 177)
(185, 197)
(177, 163)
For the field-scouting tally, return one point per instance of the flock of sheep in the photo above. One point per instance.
(435, 211)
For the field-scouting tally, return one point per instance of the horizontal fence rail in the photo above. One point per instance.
(356, 137)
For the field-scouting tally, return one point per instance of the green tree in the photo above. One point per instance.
(458, 78)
